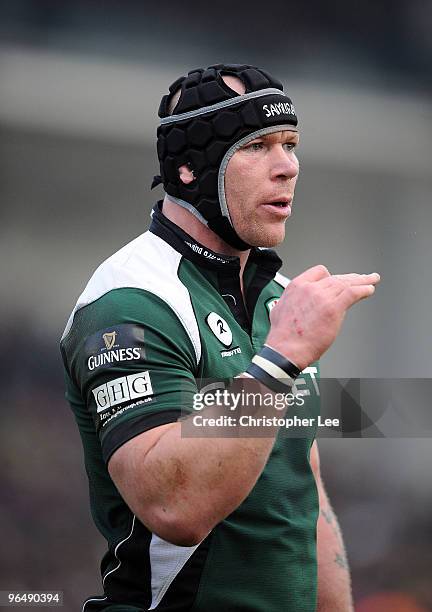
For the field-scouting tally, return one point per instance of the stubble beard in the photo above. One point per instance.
(259, 234)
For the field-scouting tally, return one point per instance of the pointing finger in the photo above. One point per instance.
(359, 279)
(337, 282)
(354, 293)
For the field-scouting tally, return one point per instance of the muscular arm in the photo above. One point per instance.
(180, 487)
(334, 583)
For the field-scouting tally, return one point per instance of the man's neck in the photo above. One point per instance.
(190, 224)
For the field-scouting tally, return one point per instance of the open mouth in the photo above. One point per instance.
(282, 205)
(284, 201)
(281, 208)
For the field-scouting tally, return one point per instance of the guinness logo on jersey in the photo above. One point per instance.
(123, 354)
(109, 339)
(109, 346)
(220, 328)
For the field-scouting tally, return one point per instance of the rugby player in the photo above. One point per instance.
(206, 523)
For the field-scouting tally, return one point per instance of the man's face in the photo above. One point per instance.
(259, 185)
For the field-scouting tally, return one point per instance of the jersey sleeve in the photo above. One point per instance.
(133, 364)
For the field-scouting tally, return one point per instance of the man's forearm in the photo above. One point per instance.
(334, 582)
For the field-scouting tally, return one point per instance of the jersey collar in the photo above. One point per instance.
(203, 256)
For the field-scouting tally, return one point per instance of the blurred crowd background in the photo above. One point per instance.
(80, 84)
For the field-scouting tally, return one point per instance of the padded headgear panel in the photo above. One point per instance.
(209, 123)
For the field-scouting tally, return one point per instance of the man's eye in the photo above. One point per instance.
(255, 146)
(290, 146)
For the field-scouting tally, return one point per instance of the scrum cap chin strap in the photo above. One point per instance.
(209, 123)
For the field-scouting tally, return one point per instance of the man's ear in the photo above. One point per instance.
(186, 174)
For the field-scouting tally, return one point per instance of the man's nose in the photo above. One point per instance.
(284, 164)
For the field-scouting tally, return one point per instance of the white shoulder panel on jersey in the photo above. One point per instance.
(148, 263)
(282, 280)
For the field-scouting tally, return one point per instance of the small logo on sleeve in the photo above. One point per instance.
(109, 339)
(106, 348)
(122, 389)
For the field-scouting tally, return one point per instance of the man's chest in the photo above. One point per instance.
(229, 340)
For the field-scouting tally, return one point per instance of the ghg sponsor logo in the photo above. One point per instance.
(122, 389)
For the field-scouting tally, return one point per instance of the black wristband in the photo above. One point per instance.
(268, 381)
(279, 360)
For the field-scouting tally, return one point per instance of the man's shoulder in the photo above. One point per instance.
(144, 261)
(149, 266)
(136, 265)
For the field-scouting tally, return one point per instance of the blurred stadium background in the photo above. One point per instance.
(80, 84)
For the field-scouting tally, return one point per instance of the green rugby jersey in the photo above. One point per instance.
(145, 329)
